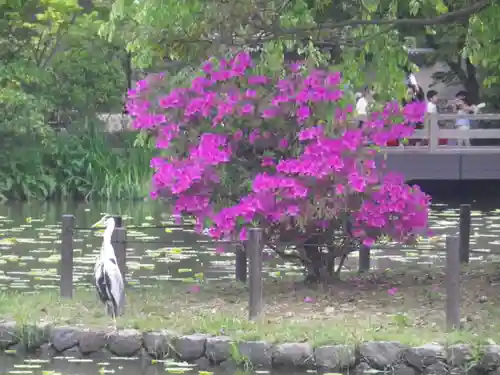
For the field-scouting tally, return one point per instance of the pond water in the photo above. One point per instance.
(113, 366)
(29, 253)
(29, 245)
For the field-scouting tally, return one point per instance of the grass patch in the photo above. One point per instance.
(406, 306)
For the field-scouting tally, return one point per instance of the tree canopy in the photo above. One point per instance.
(270, 144)
(355, 37)
(54, 65)
(60, 58)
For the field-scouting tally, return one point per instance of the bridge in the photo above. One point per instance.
(434, 161)
(430, 162)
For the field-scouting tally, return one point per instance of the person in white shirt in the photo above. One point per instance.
(432, 99)
(363, 101)
(463, 108)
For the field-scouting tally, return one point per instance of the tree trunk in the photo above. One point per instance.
(471, 84)
(319, 268)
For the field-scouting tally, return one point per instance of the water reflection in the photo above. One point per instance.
(29, 248)
(29, 245)
(35, 366)
(156, 255)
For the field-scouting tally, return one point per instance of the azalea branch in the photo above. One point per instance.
(341, 264)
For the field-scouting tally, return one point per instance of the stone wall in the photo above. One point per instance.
(207, 351)
(115, 122)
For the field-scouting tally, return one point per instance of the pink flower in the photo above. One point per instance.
(194, 289)
(368, 242)
(357, 182)
(339, 189)
(247, 109)
(267, 162)
(310, 133)
(392, 291)
(270, 113)
(296, 66)
(243, 234)
(283, 143)
(250, 93)
(303, 113)
(207, 67)
(254, 136)
(257, 80)
(236, 150)
(238, 134)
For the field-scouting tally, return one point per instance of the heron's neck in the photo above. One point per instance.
(108, 232)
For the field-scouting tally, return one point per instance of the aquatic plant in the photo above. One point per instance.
(242, 149)
(82, 166)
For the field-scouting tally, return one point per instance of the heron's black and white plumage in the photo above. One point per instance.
(108, 278)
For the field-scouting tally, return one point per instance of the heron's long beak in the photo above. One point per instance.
(99, 224)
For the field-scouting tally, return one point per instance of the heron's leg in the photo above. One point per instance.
(113, 314)
(111, 330)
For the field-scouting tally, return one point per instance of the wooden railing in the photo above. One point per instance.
(434, 131)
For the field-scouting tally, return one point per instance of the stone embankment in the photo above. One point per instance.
(206, 351)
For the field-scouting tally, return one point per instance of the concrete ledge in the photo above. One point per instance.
(207, 351)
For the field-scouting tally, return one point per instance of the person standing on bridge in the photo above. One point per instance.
(414, 93)
(463, 108)
(432, 101)
(363, 101)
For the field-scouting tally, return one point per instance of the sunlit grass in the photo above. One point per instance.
(346, 313)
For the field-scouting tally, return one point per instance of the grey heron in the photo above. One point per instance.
(108, 278)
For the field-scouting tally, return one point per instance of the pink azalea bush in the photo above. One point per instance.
(241, 149)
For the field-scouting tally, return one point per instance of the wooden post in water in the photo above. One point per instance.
(241, 263)
(255, 248)
(364, 259)
(118, 224)
(119, 242)
(452, 282)
(66, 263)
(240, 258)
(465, 232)
(120, 247)
(118, 221)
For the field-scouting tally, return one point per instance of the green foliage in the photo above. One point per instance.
(84, 82)
(20, 108)
(82, 166)
(194, 30)
(365, 40)
(53, 62)
(56, 70)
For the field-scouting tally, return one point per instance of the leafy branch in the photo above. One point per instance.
(446, 18)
